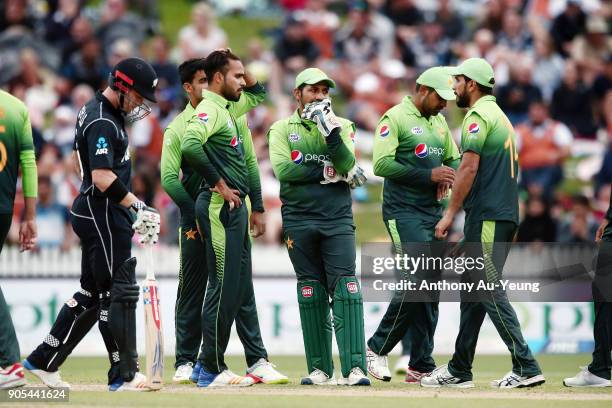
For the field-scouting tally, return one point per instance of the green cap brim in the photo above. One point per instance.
(449, 95)
(315, 81)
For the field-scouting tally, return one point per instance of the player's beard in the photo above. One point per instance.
(230, 94)
(463, 100)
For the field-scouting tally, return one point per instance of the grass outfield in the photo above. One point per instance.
(88, 376)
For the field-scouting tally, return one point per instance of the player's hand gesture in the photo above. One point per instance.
(231, 195)
(443, 190)
(355, 177)
(443, 174)
(27, 235)
(321, 113)
(330, 175)
(257, 224)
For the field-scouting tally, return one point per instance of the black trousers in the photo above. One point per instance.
(105, 230)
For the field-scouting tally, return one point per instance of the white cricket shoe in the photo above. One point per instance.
(512, 380)
(585, 378)
(401, 367)
(265, 372)
(318, 377)
(356, 377)
(183, 374)
(12, 377)
(50, 379)
(378, 366)
(138, 384)
(224, 379)
(441, 377)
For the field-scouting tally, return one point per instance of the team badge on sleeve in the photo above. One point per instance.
(384, 131)
(473, 128)
(203, 117)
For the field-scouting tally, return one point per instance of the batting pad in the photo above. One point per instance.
(316, 326)
(348, 324)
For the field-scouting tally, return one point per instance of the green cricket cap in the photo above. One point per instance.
(440, 79)
(311, 76)
(476, 69)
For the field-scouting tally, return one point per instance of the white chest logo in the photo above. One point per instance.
(417, 130)
(230, 124)
(294, 137)
(126, 156)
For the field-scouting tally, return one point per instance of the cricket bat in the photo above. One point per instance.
(153, 328)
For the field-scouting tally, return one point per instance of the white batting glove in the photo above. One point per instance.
(355, 177)
(322, 114)
(147, 224)
(330, 174)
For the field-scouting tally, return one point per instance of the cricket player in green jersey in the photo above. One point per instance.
(214, 147)
(597, 374)
(486, 187)
(193, 273)
(312, 155)
(415, 153)
(16, 148)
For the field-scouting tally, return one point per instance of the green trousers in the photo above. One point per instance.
(602, 327)
(193, 276)
(403, 318)
(230, 282)
(323, 257)
(498, 308)
(9, 347)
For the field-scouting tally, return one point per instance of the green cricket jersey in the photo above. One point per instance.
(16, 147)
(297, 153)
(407, 146)
(184, 191)
(487, 131)
(217, 146)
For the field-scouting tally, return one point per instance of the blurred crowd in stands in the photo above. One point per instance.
(552, 61)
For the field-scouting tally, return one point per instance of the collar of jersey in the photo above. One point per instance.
(410, 106)
(216, 98)
(107, 103)
(483, 99)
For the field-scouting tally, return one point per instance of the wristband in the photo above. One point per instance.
(116, 192)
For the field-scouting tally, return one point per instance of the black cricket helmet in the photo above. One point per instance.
(139, 75)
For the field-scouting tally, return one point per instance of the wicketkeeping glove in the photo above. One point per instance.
(322, 114)
(330, 174)
(147, 222)
(355, 177)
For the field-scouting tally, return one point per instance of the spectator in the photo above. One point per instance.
(403, 12)
(52, 219)
(116, 23)
(321, 25)
(87, 65)
(452, 24)
(567, 25)
(580, 225)
(203, 35)
(81, 31)
(430, 47)
(79, 96)
(591, 50)
(355, 45)
(548, 66)
(543, 146)
(166, 70)
(492, 16)
(515, 97)
(15, 13)
(603, 82)
(538, 225)
(58, 23)
(514, 35)
(571, 103)
(61, 133)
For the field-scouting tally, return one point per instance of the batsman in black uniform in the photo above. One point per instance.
(104, 216)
